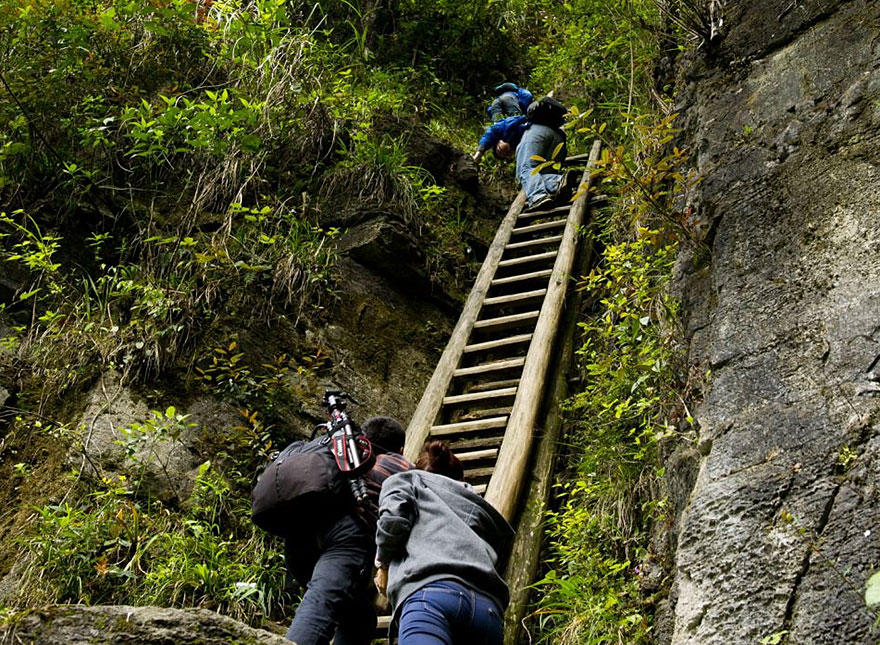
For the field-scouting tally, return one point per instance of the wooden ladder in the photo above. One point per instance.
(485, 394)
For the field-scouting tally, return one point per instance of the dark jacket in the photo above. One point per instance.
(434, 528)
(510, 130)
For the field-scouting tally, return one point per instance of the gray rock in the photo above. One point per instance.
(164, 465)
(778, 533)
(121, 625)
(387, 247)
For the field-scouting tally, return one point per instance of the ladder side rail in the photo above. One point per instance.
(432, 399)
(507, 481)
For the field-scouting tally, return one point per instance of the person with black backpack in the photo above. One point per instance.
(537, 134)
(329, 540)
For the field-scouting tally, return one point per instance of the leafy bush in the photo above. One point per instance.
(113, 548)
(600, 534)
(609, 498)
(139, 318)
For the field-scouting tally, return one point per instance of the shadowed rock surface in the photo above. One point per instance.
(121, 625)
(780, 531)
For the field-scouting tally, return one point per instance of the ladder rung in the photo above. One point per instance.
(478, 472)
(541, 240)
(479, 442)
(515, 297)
(504, 320)
(490, 367)
(480, 489)
(475, 455)
(493, 385)
(545, 273)
(485, 413)
(383, 622)
(539, 227)
(479, 396)
(469, 426)
(528, 258)
(494, 344)
(558, 209)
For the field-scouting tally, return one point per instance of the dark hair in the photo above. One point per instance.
(438, 458)
(385, 433)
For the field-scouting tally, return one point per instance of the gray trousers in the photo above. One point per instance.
(538, 140)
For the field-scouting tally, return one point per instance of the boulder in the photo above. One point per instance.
(122, 625)
(161, 461)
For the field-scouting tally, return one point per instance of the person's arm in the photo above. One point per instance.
(397, 512)
(492, 135)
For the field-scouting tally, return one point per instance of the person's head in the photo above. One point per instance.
(438, 458)
(385, 433)
(503, 150)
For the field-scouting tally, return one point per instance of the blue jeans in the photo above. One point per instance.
(337, 596)
(447, 612)
(539, 140)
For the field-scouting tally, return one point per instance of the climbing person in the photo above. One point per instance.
(510, 100)
(535, 136)
(440, 549)
(333, 558)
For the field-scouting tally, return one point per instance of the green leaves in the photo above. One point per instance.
(872, 590)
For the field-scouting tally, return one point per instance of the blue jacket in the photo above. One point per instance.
(510, 103)
(510, 130)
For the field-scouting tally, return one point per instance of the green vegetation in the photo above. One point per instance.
(109, 547)
(609, 496)
(175, 174)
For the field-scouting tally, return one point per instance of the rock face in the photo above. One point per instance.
(165, 466)
(782, 527)
(120, 625)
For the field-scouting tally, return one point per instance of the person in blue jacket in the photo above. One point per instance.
(510, 100)
(517, 135)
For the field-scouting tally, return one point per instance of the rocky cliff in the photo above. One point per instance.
(782, 527)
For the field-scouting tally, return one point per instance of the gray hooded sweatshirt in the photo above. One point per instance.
(434, 528)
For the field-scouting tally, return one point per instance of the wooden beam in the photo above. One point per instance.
(515, 297)
(553, 239)
(432, 399)
(506, 320)
(530, 214)
(505, 486)
(479, 396)
(495, 344)
(523, 562)
(494, 366)
(475, 455)
(534, 275)
(475, 473)
(539, 227)
(469, 426)
(546, 255)
(493, 385)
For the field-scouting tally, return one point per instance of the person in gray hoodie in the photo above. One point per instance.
(440, 550)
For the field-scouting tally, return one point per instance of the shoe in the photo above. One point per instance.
(546, 200)
(568, 186)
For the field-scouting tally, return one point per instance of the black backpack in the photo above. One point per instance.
(547, 111)
(302, 486)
